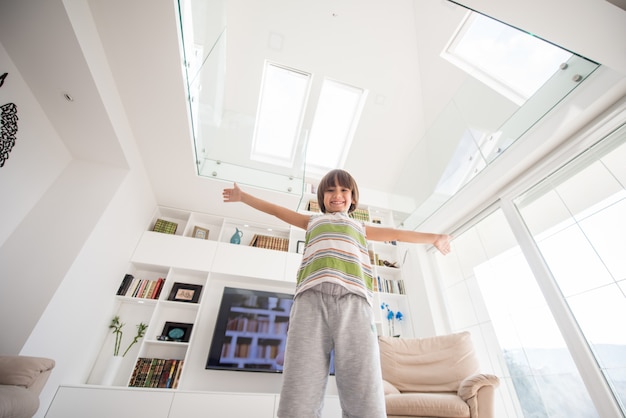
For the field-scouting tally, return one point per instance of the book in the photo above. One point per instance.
(157, 288)
(166, 227)
(126, 281)
(133, 287)
(168, 367)
(270, 242)
(156, 373)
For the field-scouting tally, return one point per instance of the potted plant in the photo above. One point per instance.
(116, 325)
(116, 361)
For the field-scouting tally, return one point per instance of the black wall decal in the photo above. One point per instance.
(8, 130)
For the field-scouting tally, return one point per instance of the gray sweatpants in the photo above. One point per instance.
(324, 318)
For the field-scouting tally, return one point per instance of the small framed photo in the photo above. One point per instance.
(300, 247)
(176, 331)
(185, 292)
(201, 233)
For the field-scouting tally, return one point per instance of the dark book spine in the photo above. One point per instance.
(126, 281)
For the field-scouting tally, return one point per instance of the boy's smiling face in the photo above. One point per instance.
(337, 198)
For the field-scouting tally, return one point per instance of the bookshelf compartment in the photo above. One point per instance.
(210, 223)
(170, 215)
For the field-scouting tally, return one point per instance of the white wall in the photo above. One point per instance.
(37, 158)
(68, 229)
(72, 328)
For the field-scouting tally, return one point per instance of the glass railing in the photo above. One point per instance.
(476, 126)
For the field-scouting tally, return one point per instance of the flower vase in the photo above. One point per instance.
(112, 368)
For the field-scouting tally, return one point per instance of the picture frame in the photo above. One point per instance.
(179, 332)
(185, 292)
(199, 232)
(300, 247)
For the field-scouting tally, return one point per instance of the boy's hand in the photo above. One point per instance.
(442, 243)
(232, 195)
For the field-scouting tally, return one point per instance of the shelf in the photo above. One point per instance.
(195, 266)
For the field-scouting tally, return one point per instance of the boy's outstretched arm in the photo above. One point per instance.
(290, 216)
(439, 241)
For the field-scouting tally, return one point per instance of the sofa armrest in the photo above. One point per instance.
(29, 372)
(389, 388)
(470, 386)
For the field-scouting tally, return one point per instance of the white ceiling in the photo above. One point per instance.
(120, 61)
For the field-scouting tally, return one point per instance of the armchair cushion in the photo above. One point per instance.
(437, 364)
(427, 405)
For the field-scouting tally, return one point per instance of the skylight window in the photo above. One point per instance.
(336, 118)
(510, 61)
(281, 108)
(282, 105)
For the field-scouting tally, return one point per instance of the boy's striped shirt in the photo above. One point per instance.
(335, 251)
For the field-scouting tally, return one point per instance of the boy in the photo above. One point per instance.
(332, 303)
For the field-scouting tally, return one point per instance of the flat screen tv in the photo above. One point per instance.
(251, 331)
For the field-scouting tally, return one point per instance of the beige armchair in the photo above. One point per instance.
(22, 379)
(435, 377)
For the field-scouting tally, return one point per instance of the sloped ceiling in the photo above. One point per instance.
(56, 46)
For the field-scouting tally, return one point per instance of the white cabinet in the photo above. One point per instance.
(99, 402)
(231, 405)
(156, 248)
(260, 263)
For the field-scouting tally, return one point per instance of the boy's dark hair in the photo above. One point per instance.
(343, 179)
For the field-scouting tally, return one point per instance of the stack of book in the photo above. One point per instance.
(313, 206)
(358, 214)
(156, 373)
(389, 285)
(166, 227)
(140, 288)
(361, 215)
(269, 242)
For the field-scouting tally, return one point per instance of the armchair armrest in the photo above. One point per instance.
(25, 371)
(470, 386)
(478, 392)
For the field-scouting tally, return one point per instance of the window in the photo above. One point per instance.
(282, 103)
(336, 117)
(577, 217)
(577, 220)
(508, 60)
(281, 111)
(489, 290)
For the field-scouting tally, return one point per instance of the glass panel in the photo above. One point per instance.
(499, 55)
(225, 44)
(499, 128)
(223, 127)
(578, 219)
(500, 302)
